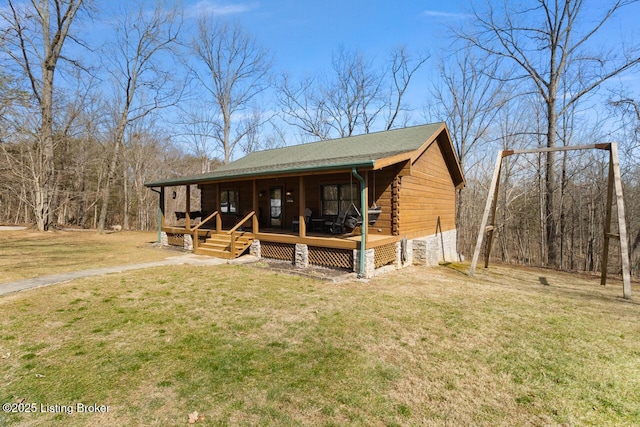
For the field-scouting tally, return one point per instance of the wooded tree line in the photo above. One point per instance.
(84, 122)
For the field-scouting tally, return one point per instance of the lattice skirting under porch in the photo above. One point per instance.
(385, 255)
(282, 251)
(175, 239)
(330, 257)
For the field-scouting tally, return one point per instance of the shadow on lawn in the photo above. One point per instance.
(581, 285)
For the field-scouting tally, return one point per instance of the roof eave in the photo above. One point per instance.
(451, 158)
(305, 171)
(392, 160)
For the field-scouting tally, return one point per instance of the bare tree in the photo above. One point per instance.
(142, 82)
(33, 37)
(234, 70)
(470, 100)
(355, 97)
(549, 42)
(630, 109)
(303, 107)
(198, 127)
(358, 96)
(403, 68)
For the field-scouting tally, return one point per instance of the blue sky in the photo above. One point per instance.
(303, 34)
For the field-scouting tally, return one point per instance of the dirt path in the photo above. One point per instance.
(36, 282)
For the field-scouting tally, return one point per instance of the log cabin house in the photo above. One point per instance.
(358, 203)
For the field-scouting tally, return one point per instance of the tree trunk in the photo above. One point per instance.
(125, 189)
(550, 185)
(543, 218)
(45, 170)
(227, 147)
(106, 192)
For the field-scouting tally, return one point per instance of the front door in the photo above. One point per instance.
(275, 207)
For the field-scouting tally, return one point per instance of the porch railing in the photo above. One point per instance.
(195, 229)
(254, 226)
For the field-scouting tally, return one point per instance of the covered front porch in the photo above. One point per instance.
(275, 217)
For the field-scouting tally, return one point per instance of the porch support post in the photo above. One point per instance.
(302, 202)
(363, 206)
(187, 215)
(218, 218)
(160, 211)
(162, 208)
(254, 221)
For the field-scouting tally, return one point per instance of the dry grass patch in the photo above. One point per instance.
(245, 346)
(28, 253)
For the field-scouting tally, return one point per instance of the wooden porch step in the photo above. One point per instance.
(219, 245)
(214, 253)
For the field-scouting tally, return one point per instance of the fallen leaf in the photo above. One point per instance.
(195, 417)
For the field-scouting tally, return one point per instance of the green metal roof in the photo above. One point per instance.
(354, 151)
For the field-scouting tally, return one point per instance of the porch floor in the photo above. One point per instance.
(312, 238)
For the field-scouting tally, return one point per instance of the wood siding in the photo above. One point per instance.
(410, 208)
(426, 195)
(380, 189)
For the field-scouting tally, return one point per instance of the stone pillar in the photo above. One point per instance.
(254, 249)
(164, 239)
(188, 242)
(369, 262)
(450, 239)
(432, 249)
(425, 251)
(419, 252)
(301, 256)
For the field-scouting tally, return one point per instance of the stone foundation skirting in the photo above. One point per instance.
(430, 250)
(424, 251)
(184, 240)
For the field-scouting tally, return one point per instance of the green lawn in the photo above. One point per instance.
(246, 346)
(26, 254)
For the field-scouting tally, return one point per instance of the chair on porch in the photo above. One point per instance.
(336, 226)
(350, 219)
(346, 221)
(295, 224)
